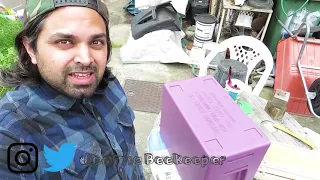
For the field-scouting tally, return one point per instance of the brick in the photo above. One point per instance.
(275, 112)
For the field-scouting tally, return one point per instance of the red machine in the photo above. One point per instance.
(297, 72)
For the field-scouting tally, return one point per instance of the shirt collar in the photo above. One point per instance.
(59, 100)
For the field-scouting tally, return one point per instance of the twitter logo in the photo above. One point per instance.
(59, 160)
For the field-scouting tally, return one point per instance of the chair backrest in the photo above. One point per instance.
(250, 51)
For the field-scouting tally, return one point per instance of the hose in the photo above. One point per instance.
(283, 10)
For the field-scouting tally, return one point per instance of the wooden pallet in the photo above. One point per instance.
(284, 162)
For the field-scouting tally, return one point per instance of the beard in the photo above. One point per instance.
(63, 84)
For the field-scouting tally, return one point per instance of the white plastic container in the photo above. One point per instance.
(205, 26)
(199, 42)
(234, 92)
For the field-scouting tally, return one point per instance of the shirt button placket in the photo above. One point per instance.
(113, 144)
(83, 160)
(122, 174)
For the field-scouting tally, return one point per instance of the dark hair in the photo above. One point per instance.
(24, 71)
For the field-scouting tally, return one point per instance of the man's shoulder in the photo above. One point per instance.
(18, 110)
(11, 120)
(114, 83)
(117, 95)
(115, 92)
(11, 101)
(17, 94)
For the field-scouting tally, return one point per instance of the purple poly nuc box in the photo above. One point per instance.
(207, 134)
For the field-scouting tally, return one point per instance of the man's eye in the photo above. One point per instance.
(97, 42)
(64, 42)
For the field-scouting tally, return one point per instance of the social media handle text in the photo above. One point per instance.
(179, 159)
(111, 159)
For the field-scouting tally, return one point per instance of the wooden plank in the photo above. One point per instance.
(256, 115)
(279, 135)
(215, 6)
(289, 162)
(228, 4)
(260, 117)
(295, 127)
(288, 122)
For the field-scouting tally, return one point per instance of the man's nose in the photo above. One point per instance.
(83, 56)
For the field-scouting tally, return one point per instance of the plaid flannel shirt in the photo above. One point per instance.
(100, 126)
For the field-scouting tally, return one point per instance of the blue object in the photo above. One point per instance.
(59, 160)
(155, 142)
(131, 8)
(233, 95)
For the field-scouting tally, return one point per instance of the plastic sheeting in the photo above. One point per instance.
(162, 46)
(179, 5)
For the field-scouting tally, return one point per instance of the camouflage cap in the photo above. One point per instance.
(34, 8)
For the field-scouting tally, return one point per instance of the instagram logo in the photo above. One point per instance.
(20, 158)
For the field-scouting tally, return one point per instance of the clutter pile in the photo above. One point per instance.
(229, 40)
(9, 13)
(156, 35)
(181, 32)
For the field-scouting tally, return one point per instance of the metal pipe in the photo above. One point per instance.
(289, 32)
(310, 67)
(309, 95)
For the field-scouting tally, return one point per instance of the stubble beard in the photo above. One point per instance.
(63, 85)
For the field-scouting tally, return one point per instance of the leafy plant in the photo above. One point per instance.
(7, 58)
(8, 31)
(4, 90)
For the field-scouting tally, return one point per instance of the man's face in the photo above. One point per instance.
(72, 51)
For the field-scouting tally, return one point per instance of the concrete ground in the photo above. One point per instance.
(120, 28)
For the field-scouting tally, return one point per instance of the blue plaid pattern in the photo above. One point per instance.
(100, 126)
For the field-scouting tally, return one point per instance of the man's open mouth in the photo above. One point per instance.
(82, 78)
(81, 75)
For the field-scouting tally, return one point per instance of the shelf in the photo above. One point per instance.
(227, 4)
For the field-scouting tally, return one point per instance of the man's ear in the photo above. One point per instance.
(30, 50)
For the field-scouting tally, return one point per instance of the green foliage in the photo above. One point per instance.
(116, 45)
(8, 31)
(8, 56)
(4, 90)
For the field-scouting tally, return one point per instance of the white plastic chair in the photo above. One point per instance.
(249, 51)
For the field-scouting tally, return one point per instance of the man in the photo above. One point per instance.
(67, 104)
